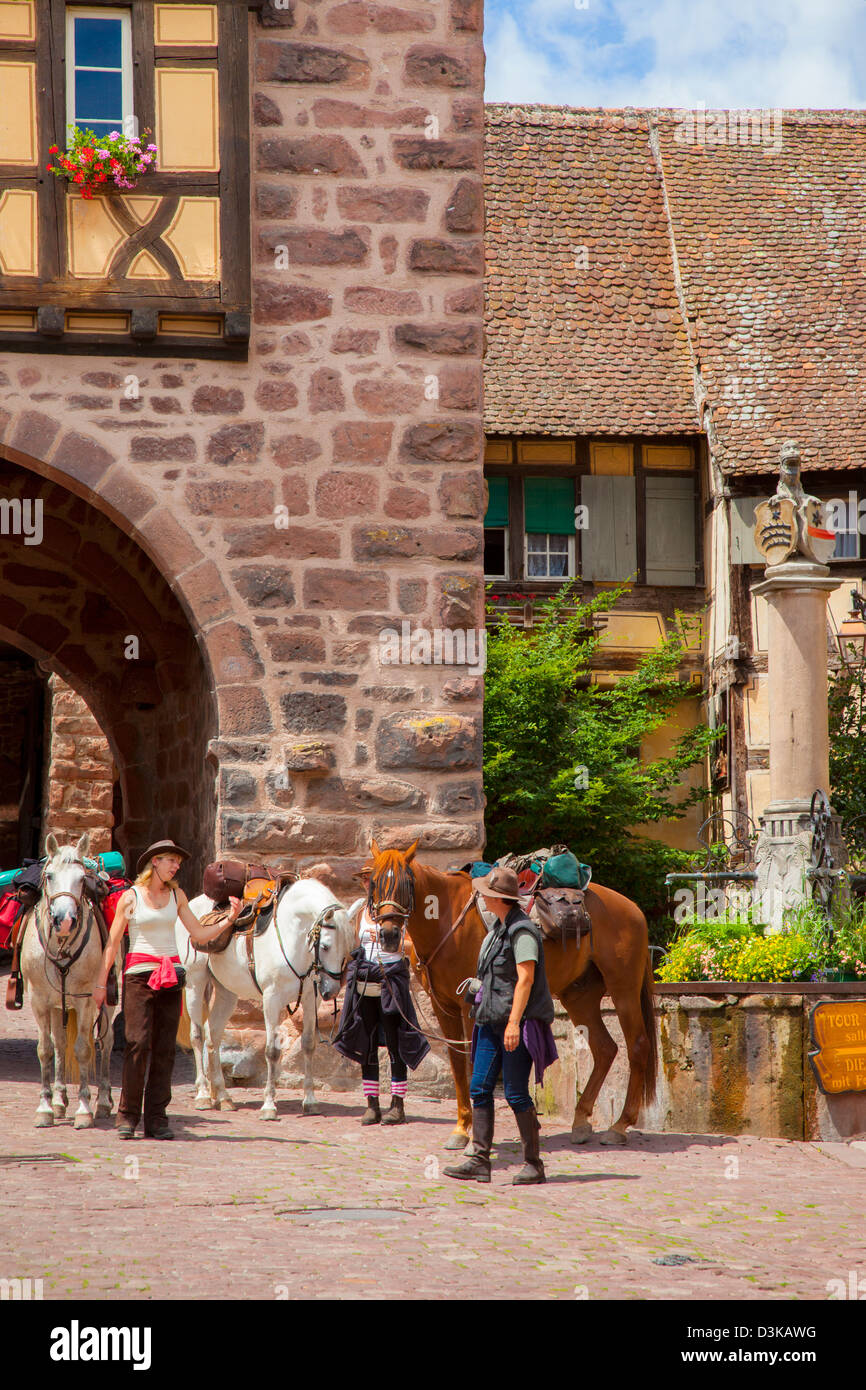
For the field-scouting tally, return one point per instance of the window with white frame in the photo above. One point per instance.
(99, 70)
(548, 509)
(549, 556)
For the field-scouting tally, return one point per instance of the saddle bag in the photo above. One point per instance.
(227, 878)
(561, 914)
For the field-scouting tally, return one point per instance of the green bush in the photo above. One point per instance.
(562, 761)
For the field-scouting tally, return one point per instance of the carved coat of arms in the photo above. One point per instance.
(776, 529)
(816, 538)
(792, 521)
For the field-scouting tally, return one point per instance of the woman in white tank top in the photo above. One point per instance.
(152, 989)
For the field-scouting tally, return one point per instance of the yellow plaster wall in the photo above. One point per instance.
(681, 834)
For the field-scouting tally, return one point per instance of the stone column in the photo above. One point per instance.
(790, 532)
(796, 594)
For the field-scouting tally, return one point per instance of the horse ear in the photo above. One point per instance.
(374, 849)
(411, 851)
(51, 845)
(81, 847)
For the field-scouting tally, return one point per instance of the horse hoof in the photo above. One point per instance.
(226, 1103)
(311, 1107)
(613, 1139)
(457, 1140)
(201, 1103)
(59, 1112)
(83, 1121)
(267, 1115)
(581, 1134)
(44, 1119)
(103, 1112)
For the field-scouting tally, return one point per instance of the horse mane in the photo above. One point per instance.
(390, 876)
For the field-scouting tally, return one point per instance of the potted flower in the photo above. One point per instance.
(96, 164)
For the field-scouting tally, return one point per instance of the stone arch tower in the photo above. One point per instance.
(258, 516)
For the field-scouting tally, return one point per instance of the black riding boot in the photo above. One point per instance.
(530, 1130)
(476, 1165)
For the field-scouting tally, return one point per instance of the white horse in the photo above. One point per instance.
(60, 961)
(302, 953)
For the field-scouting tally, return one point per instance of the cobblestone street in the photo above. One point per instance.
(317, 1207)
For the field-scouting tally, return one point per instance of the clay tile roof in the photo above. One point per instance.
(770, 270)
(599, 349)
(771, 244)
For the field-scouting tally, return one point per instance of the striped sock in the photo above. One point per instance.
(371, 1088)
(398, 1088)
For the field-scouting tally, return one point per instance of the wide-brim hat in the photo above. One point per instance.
(500, 883)
(160, 847)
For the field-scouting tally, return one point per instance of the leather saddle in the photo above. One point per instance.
(260, 896)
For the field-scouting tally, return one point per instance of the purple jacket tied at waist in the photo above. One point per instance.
(539, 1043)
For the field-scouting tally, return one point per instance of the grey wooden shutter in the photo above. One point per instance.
(743, 548)
(670, 530)
(609, 543)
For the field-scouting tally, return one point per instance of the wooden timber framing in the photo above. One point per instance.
(222, 302)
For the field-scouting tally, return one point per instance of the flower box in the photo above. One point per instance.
(101, 164)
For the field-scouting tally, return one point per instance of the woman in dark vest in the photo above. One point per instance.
(513, 1012)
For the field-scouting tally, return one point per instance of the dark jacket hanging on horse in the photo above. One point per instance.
(352, 1039)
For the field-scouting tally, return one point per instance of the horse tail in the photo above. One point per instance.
(184, 1037)
(650, 1078)
(73, 1071)
(206, 1003)
(71, 1061)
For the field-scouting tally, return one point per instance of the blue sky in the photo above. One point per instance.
(736, 53)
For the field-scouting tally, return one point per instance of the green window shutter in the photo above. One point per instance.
(549, 506)
(497, 502)
(670, 530)
(608, 546)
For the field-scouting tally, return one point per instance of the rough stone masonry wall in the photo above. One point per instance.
(18, 689)
(358, 415)
(79, 772)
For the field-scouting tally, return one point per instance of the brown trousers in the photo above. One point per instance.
(150, 1020)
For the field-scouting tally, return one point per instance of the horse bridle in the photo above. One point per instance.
(317, 968)
(66, 957)
(377, 916)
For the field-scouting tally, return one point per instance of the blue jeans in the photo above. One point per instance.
(491, 1058)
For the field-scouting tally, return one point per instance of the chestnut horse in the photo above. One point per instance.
(613, 960)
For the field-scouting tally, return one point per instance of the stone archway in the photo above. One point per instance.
(88, 603)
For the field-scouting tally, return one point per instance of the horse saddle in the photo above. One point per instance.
(259, 893)
(561, 914)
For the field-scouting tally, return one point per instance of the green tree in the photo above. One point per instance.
(847, 716)
(562, 758)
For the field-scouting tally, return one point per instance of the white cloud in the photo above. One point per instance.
(740, 53)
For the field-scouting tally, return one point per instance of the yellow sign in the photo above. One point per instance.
(839, 1034)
